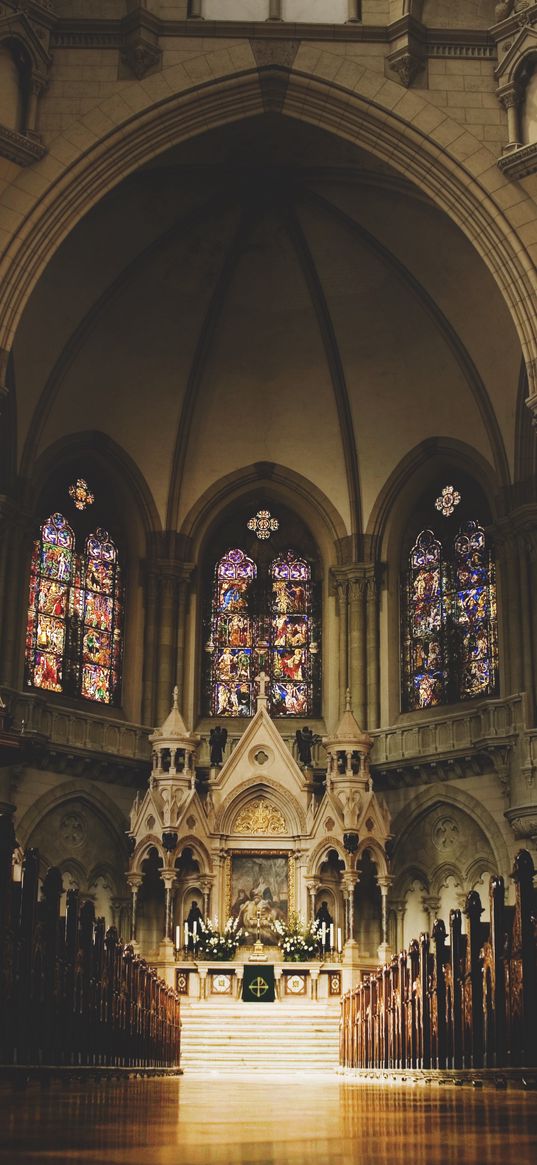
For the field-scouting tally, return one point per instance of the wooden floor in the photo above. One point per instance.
(300, 1119)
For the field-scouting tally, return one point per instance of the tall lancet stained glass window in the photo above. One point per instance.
(261, 618)
(74, 627)
(450, 635)
(101, 620)
(425, 649)
(232, 636)
(51, 574)
(290, 663)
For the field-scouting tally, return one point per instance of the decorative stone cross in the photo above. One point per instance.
(262, 679)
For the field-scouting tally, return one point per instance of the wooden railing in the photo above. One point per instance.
(71, 994)
(471, 1004)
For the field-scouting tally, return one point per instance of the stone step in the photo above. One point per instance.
(233, 1035)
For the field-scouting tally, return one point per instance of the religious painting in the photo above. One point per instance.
(259, 891)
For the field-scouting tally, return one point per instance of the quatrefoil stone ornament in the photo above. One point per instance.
(449, 498)
(263, 525)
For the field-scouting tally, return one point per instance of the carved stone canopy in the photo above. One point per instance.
(260, 816)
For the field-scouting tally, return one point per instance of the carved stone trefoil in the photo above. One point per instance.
(260, 817)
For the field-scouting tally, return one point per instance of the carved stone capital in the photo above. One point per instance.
(141, 53)
(407, 64)
(523, 822)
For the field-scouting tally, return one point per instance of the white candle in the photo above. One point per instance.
(339, 938)
(331, 936)
(177, 937)
(323, 934)
(186, 934)
(195, 929)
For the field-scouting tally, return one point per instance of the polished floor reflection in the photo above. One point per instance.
(300, 1119)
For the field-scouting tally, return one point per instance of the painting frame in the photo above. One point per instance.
(248, 866)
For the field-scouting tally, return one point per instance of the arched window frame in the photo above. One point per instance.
(75, 614)
(450, 646)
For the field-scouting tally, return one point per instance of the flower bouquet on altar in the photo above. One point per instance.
(219, 945)
(298, 941)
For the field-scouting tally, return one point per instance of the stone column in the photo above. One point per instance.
(275, 10)
(181, 625)
(384, 951)
(353, 14)
(195, 10)
(313, 886)
(169, 879)
(357, 647)
(168, 594)
(511, 98)
(432, 906)
(373, 653)
(206, 885)
(135, 881)
(17, 532)
(350, 881)
(342, 595)
(150, 647)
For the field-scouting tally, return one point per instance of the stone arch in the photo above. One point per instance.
(402, 489)
(97, 800)
(108, 456)
(403, 881)
(461, 182)
(319, 853)
(474, 872)
(440, 873)
(378, 855)
(429, 798)
(389, 524)
(285, 801)
(200, 852)
(149, 842)
(104, 870)
(309, 502)
(132, 509)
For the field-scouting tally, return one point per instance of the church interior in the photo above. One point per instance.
(268, 554)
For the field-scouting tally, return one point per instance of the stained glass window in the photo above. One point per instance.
(51, 573)
(450, 648)
(262, 618)
(426, 623)
(474, 614)
(231, 642)
(290, 641)
(74, 628)
(101, 620)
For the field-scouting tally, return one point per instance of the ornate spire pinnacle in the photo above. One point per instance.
(348, 705)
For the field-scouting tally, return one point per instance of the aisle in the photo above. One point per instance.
(265, 1119)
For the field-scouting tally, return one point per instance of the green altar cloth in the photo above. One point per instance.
(258, 984)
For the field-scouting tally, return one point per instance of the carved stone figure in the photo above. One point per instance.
(305, 739)
(217, 744)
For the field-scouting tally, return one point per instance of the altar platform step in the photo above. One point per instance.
(259, 1036)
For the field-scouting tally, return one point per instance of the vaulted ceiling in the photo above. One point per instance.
(267, 293)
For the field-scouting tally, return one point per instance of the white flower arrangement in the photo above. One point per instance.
(218, 944)
(297, 940)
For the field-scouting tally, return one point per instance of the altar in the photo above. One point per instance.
(314, 981)
(256, 849)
